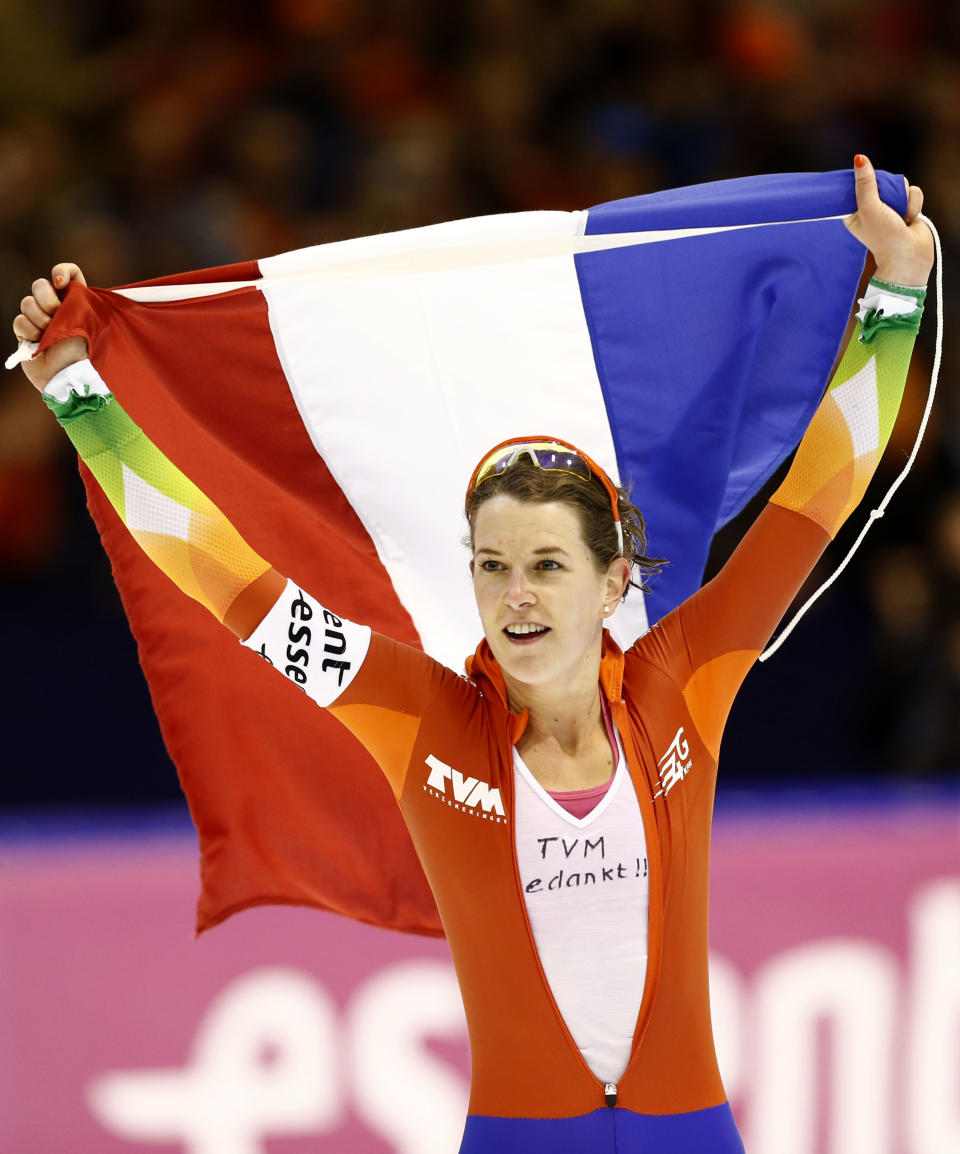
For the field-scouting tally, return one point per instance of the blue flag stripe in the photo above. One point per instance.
(740, 328)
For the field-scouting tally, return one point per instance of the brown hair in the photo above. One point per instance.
(524, 481)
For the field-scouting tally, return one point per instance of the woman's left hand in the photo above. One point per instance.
(902, 246)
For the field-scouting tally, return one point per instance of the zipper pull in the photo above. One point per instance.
(610, 1093)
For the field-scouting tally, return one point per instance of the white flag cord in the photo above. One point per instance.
(876, 514)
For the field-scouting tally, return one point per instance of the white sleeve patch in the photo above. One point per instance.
(80, 378)
(888, 301)
(315, 648)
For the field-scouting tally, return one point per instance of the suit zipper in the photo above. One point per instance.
(610, 1093)
(655, 918)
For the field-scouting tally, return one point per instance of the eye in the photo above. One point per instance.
(490, 566)
(550, 563)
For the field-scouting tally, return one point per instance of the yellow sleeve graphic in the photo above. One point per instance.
(176, 525)
(849, 431)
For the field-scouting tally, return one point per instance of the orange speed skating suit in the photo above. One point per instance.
(445, 742)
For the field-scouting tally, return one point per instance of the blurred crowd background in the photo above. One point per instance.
(140, 137)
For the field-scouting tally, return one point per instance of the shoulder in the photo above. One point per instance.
(413, 680)
(663, 647)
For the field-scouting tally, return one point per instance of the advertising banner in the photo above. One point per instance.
(835, 988)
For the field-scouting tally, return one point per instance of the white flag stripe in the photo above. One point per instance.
(367, 263)
(488, 352)
(477, 230)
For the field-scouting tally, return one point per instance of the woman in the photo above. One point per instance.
(560, 796)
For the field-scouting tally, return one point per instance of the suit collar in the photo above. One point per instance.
(483, 668)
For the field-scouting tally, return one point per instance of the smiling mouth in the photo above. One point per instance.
(525, 634)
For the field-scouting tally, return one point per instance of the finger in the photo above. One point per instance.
(45, 295)
(33, 312)
(914, 203)
(65, 272)
(865, 182)
(25, 330)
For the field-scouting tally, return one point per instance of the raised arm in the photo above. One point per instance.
(727, 623)
(180, 529)
(336, 662)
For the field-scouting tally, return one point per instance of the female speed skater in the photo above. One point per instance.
(584, 970)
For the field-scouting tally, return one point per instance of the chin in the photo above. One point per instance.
(526, 667)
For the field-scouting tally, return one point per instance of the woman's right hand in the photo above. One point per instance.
(34, 316)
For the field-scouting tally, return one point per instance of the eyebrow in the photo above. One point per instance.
(536, 552)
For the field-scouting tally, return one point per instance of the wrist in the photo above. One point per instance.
(904, 293)
(76, 390)
(911, 276)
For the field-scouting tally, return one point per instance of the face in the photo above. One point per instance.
(540, 595)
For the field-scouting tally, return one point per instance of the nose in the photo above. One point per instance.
(519, 593)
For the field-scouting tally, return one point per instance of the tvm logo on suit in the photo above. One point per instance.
(468, 794)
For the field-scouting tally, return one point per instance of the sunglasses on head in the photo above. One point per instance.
(551, 455)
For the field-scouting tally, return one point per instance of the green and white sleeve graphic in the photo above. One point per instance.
(180, 529)
(849, 431)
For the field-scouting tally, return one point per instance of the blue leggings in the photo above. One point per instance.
(606, 1131)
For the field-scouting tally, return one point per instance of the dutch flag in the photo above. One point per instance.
(333, 401)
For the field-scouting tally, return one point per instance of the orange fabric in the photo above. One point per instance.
(831, 504)
(829, 438)
(705, 696)
(387, 736)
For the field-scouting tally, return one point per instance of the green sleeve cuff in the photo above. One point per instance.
(876, 321)
(920, 294)
(75, 406)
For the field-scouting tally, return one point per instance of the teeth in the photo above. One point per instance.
(519, 630)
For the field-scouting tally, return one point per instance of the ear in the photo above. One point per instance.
(618, 577)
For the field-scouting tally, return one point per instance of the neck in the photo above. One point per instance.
(567, 713)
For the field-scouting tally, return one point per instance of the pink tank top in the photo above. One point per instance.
(580, 802)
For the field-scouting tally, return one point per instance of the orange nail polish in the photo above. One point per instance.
(859, 160)
(59, 281)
